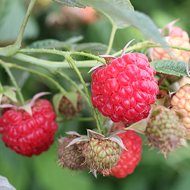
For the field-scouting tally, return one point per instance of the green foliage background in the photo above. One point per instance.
(41, 172)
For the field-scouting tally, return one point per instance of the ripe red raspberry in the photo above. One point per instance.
(29, 135)
(129, 159)
(125, 89)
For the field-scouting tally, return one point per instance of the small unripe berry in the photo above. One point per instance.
(101, 154)
(70, 157)
(165, 129)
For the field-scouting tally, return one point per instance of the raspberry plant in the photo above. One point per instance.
(137, 89)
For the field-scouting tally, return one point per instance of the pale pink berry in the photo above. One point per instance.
(176, 37)
(181, 101)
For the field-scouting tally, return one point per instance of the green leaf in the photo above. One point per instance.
(120, 4)
(128, 17)
(171, 67)
(4, 184)
(94, 48)
(71, 3)
(51, 43)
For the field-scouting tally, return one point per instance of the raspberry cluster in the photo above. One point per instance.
(125, 89)
(29, 135)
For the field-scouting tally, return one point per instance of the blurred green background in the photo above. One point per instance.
(41, 172)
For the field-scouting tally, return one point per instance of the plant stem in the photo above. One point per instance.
(13, 81)
(28, 13)
(71, 61)
(11, 65)
(84, 119)
(88, 55)
(1, 87)
(11, 49)
(52, 64)
(75, 85)
(62, 53)
(147, 44)
(114, 29)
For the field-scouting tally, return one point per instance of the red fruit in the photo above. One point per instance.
(125, 89)
(129, 159)
(29, 135)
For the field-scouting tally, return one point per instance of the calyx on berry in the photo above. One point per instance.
(69, 104)
(28, 130)
(28, 104)
(8, 95)
(124, 88)
(100, 152)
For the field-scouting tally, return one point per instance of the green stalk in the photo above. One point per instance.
(1, 87)
(146, 44)
(13, 81)
(52, 64)
(62, 53)
(71, 61)
(114, 29)
(25, 21)
(75, 85)
(11, 65)
(11, 49)
(84, 119)
(88, 55)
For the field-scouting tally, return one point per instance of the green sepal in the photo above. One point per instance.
(139, 126)
(70, 95)
(8, 92)
(56, 100)
(1, 95)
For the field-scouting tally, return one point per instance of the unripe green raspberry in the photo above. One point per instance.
(165, 129)
(71, 156)
(101, 154)
(181, 101)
